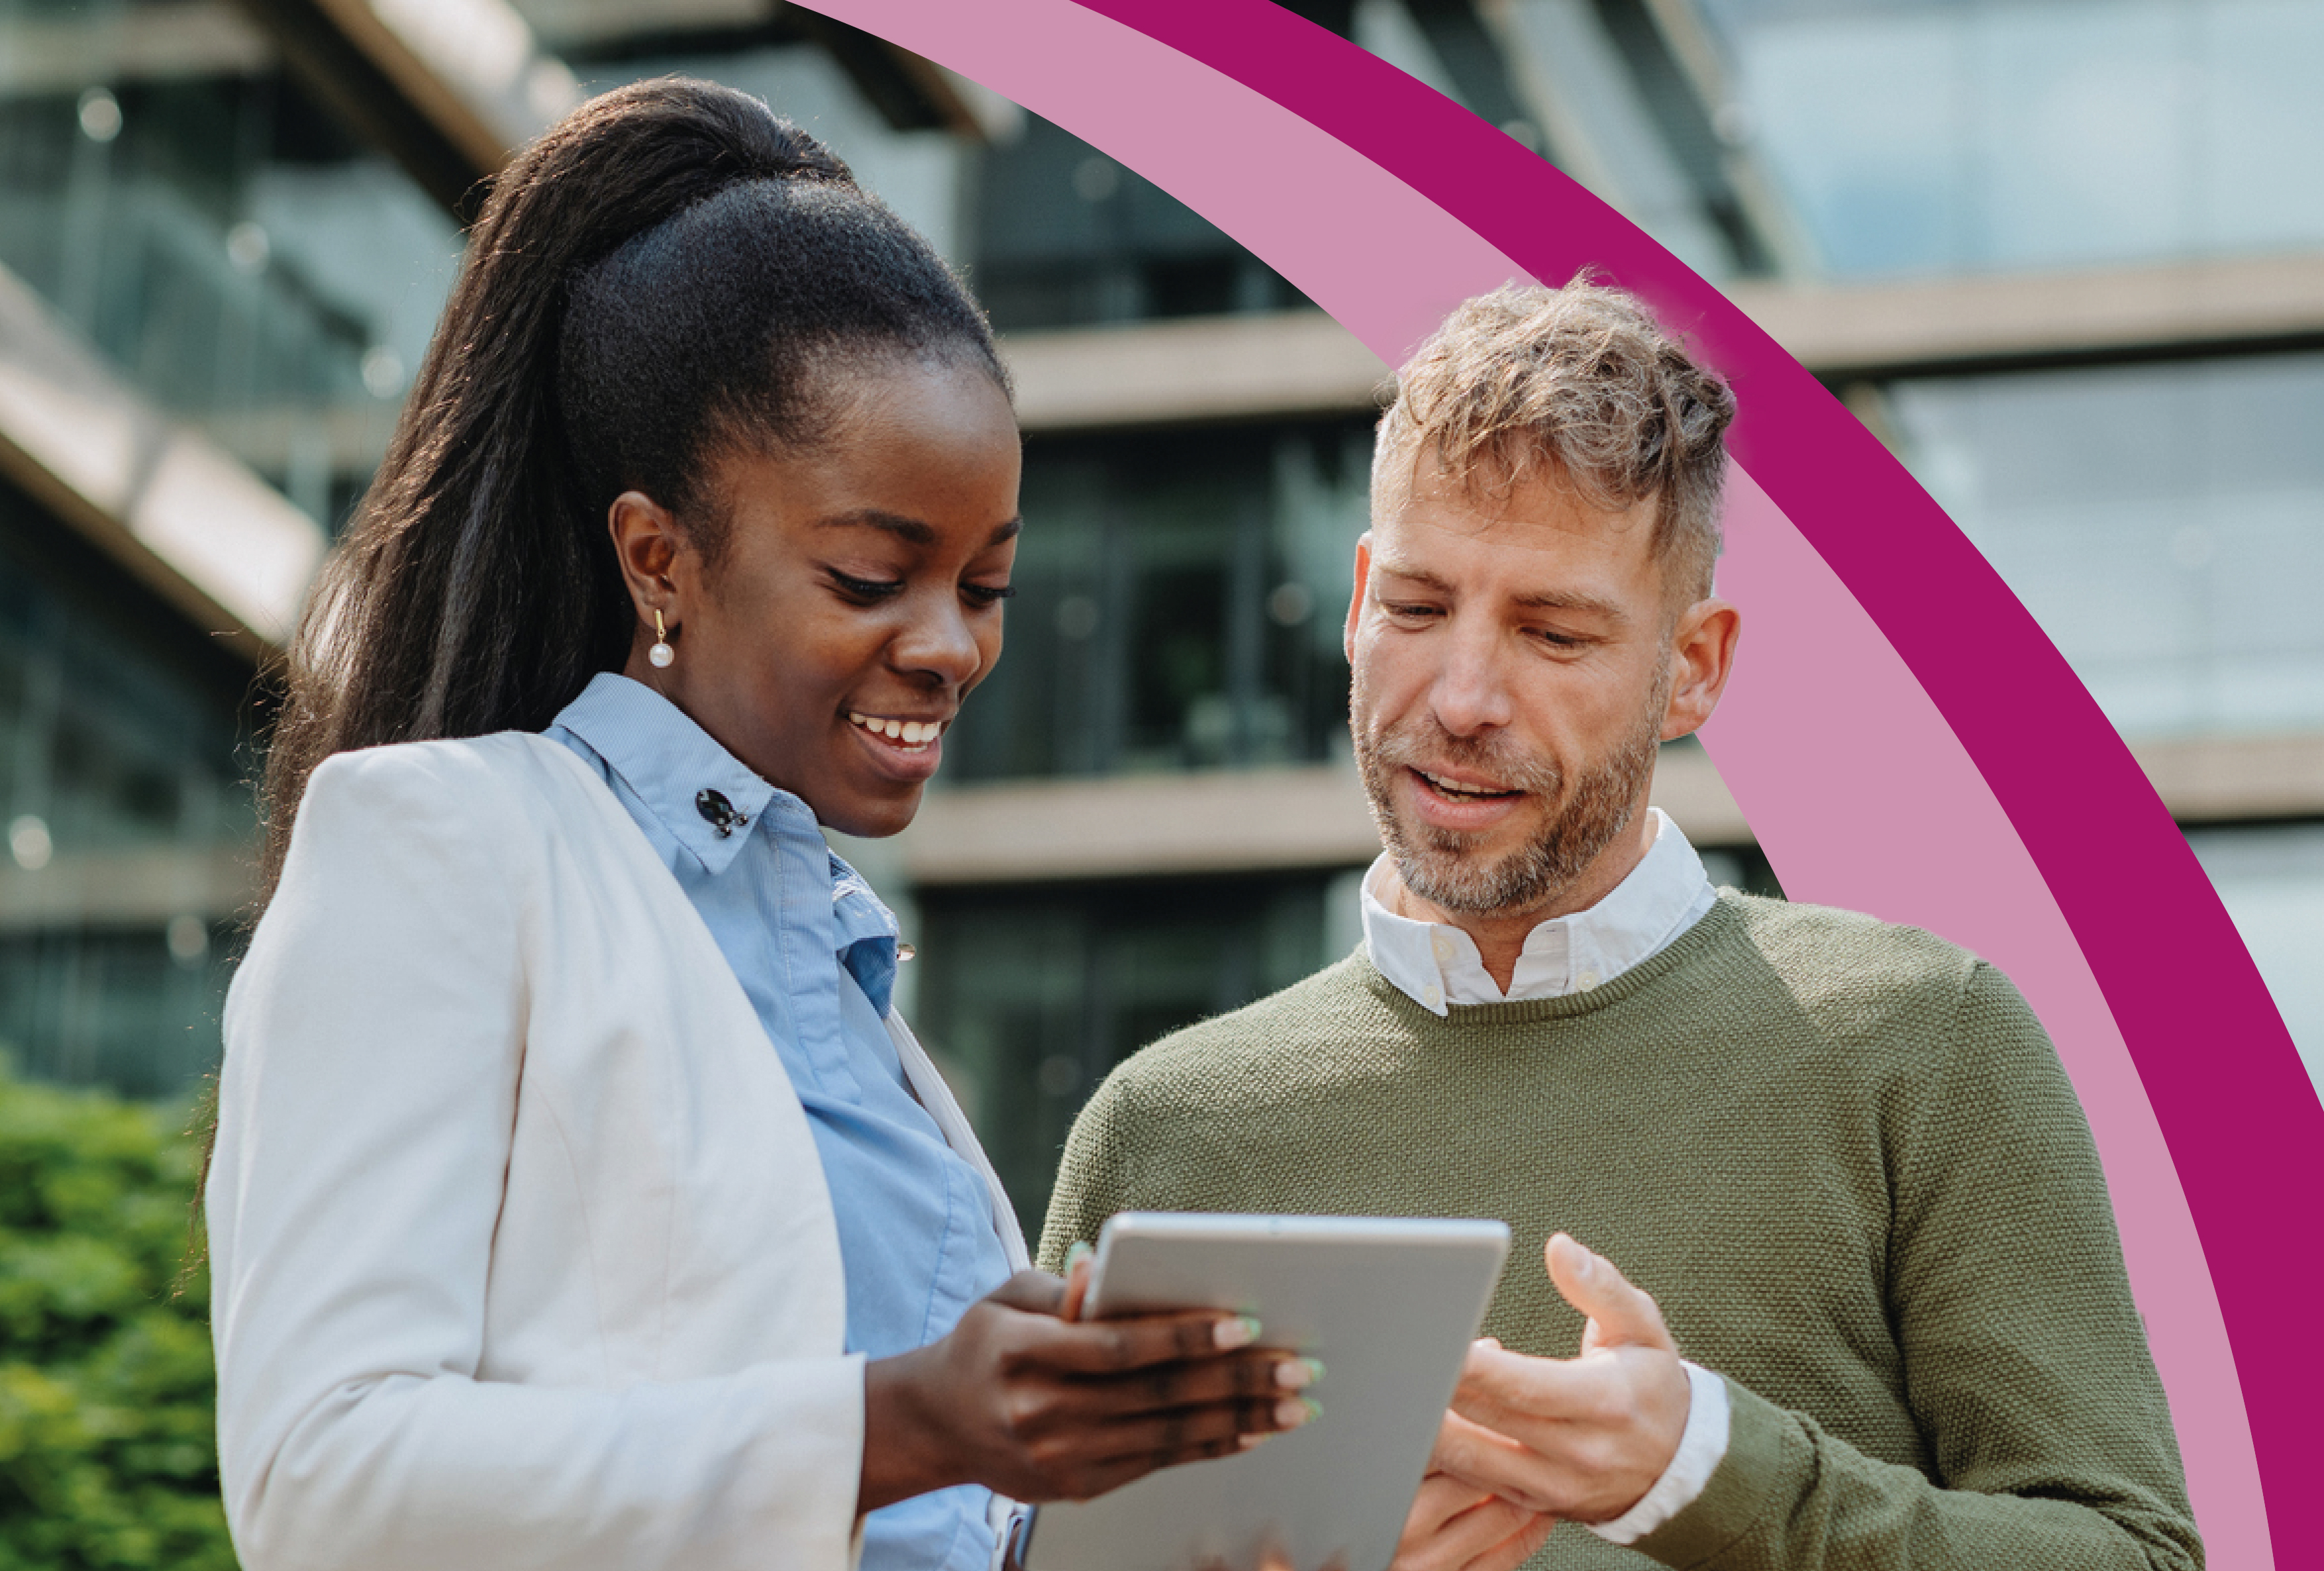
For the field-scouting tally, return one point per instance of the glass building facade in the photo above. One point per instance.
(249, 244)
(124, 800)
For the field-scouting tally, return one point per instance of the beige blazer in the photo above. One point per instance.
(520, 1248)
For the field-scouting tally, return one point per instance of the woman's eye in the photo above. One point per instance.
(988, 594)
(865, 589)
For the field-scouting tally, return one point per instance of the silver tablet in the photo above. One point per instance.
(1389, 1305)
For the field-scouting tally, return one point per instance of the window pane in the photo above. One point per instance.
(2164, 524)
(1935, 136)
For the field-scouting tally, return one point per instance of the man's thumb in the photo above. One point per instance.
(1620, 1316)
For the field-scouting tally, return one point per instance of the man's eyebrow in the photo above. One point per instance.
(913, 530)
(1589, 604)
(1547, 600)
(1420, 577)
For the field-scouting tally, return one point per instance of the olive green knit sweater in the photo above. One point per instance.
(1842, 1155)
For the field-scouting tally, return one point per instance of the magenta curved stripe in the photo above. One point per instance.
(1960, 721)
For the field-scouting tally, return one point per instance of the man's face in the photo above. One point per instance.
(1512, 668)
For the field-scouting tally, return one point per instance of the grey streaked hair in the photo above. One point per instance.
(1584, 381)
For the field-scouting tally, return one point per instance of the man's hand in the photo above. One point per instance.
(1454, 1526)
(1581, 1437)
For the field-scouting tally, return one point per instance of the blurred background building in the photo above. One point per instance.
(2065, 256)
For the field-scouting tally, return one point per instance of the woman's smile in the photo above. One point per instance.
(852, 594)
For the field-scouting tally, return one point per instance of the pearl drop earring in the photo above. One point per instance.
(661, 654)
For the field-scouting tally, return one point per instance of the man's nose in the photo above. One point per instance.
(1472, 693)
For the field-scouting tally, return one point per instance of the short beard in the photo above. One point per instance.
(1443, 867)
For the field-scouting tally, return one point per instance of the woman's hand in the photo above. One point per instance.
(1038, 1407)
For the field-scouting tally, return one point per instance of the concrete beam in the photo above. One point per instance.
(1957, 326)
(125, 889)
(448, 88)
(177, 510)
(1286, 364)
(1210, 368)
(2222, 778)
(1231, 821)
(187, 39)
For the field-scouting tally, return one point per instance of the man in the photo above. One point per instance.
(1838, 1160)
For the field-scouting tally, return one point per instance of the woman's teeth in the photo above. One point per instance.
(911, 733)
(1454, 787)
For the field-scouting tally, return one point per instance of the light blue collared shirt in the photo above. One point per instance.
(815, 953)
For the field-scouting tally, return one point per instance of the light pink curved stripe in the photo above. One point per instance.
(1853, 782)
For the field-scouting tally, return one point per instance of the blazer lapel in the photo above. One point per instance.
(929, 1085)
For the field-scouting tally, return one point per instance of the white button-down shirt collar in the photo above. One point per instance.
(1437, 966)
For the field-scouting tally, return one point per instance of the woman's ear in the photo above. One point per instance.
(647, 543)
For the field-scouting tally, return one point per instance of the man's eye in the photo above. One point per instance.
(865, 589)
(1395, 609)
(988, 594)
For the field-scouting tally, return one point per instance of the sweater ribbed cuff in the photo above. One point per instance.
(1767, 1457)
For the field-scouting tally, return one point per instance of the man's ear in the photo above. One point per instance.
(1702, 657)
(1356, 600)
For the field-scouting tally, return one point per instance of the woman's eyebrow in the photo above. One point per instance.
(911, 529)
(895, 523)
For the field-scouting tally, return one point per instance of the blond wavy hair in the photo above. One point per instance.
(1579, 384)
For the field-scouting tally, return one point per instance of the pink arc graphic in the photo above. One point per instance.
(1887, 676)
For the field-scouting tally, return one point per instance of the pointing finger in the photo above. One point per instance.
(1620, 1314)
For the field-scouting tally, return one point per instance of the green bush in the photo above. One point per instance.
(107, 1449)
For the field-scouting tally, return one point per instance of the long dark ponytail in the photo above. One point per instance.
(666, 267)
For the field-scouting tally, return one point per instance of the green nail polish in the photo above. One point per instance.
(1315, 1408)
(1314, 1369)
(1240, 1332)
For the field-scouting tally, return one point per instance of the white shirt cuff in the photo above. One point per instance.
(1700, 1448)
(1008, 1521)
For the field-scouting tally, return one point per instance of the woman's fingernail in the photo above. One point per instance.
(1079, 1252)
(1248, 1441)
(1240, 1332)
(1299, 1373)
(1292, 1411)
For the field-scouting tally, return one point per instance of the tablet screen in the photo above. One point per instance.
(1389, 1305)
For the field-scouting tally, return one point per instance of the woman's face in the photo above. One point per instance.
(857, 598)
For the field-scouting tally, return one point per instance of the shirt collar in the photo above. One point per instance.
(669, 761)
(864, 932)
(1437, 966)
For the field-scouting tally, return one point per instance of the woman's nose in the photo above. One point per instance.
(938, 643)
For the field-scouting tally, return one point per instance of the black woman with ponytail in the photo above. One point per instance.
(577, 1199)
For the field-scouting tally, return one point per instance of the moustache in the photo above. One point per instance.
(1425, 744)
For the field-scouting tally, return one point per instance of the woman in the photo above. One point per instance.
(576, 1200)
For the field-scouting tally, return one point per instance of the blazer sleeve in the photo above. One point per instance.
(376, 1036)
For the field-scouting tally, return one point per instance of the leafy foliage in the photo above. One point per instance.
(107, 1453)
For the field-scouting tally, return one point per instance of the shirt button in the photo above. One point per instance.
(1445, 946)
(1431, 996)
(1587, 979)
